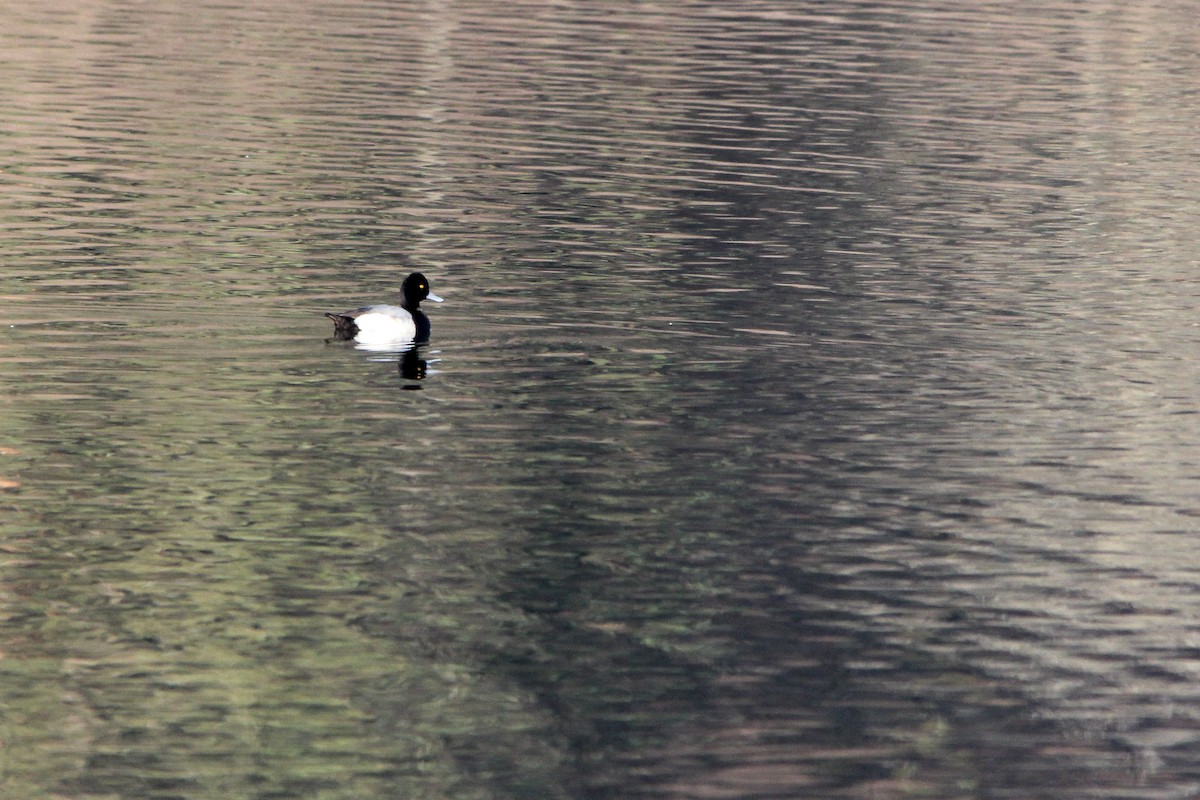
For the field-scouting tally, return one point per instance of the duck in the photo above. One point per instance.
(384, 324)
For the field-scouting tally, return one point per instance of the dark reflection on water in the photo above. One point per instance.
(811, 413)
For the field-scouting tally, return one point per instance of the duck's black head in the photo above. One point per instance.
(415, 289)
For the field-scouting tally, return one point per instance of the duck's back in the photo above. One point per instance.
(378, 323)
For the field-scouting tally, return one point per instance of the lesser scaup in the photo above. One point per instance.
(381, 324)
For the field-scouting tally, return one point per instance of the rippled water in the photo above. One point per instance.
(812, 414)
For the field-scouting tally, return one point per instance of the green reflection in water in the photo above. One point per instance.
(193, 567)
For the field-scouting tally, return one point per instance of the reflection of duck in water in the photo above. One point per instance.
(384, 324)
(412, 366)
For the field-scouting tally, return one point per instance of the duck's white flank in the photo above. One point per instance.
(385, 324)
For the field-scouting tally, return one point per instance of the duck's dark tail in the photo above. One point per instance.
(343, 327)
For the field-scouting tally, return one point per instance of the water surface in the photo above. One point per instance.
(812, 412)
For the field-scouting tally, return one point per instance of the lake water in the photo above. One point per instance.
(813, 410)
